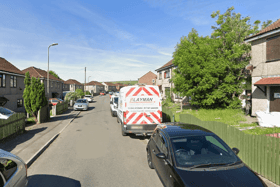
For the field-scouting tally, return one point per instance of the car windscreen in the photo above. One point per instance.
(54, 101)
(202, 149)
(116, 99)
(81, 101)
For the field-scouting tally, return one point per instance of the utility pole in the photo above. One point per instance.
(85, 79)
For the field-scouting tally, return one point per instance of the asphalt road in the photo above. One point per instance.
(92, 152)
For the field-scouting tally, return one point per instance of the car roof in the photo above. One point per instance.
(182, 129)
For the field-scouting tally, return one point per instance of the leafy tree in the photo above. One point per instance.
(212, 69)
(54, 74)
(71, 96)
(80, 93)
(34, 95)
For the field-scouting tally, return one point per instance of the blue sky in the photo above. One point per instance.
(115, 40)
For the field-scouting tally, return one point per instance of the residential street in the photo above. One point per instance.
(92, 152)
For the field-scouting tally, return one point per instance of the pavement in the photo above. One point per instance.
(31, 144)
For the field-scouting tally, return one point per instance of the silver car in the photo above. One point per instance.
(13, 170)
(89, 98)
(81, 104)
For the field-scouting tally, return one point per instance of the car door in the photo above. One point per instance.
(163, 166)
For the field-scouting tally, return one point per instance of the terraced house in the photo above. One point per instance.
(109, 86)
(95, 87)
(72, 85)
(266, 69)
(11, 86)
(56, 85)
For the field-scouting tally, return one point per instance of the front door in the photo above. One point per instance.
(274, 99)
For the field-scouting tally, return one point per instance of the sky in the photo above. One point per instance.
(114, 40)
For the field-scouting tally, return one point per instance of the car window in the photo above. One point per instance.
(163, 145)
(201, 149)
(7, 168)
(212, 140)
(116, 100)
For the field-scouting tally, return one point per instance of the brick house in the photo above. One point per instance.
(95, 87)
(119, 86)
(109, 86)
(56, 85)
(72, 85)
(11, 86)
(266, 69)
(148, 79)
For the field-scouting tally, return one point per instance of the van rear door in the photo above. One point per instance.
(143, 106)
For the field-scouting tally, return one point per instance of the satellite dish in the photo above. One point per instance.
(249, 67)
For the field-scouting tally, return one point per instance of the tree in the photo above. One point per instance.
(54, 74)
(34, 95)
(71, 96)
(80, 93)
(88, 93)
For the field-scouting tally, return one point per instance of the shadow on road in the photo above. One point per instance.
(10, 143)
(133, 136)
(51, 180)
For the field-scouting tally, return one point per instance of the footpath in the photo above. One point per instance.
(31, 144)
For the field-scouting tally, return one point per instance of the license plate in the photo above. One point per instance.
(80, 106)
(136, 127)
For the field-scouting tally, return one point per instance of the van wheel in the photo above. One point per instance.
(123, 133)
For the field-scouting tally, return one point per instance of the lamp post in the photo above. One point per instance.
(48, 80)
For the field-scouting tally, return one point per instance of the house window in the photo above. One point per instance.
(52, 84)
(58, 85)
(273, 48)
(160, 76)
(2, 80)
(13, 82)
(167, 74)
(20, 103)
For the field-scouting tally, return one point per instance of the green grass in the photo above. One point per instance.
(31, 120)
(262, 130)
(126, 82)
(50, 112)
(228, 116)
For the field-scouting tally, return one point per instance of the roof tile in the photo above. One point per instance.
(39, 73)
(8, 67)
(268, 81)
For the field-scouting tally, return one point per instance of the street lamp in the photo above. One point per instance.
(48, 80)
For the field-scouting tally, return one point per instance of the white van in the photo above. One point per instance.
(114, 104)
(139, 109)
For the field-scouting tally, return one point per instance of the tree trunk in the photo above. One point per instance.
(35, 117)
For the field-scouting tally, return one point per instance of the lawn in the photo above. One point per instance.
(227, 116)
(31, 120)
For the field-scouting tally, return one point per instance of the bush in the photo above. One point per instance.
(80, 93)
(88, 93)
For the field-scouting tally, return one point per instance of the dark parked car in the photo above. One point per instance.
(189, 155)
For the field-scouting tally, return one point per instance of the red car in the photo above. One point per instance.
(53, 101)
(102, 93)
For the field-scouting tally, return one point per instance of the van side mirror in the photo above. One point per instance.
(235, 150)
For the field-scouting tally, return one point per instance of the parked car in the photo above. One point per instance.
(114, 104)
(190, 155)
(5, 113)
(89, 98)
(13, 170)
(53, 101)
(81, 104)
(102, 93)
(60, 100)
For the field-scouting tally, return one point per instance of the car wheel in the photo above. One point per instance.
(123, 133)
(112, 114)
(118, 119)
(149, 159)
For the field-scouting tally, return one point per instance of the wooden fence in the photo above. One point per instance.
(43, 114)
(260, 152)
(13, 125)
(61, 107)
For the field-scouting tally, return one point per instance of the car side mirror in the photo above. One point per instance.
(161, 155)
(235, 150)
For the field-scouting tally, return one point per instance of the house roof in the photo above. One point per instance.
(8, 67)
(72, 81)
(150, 74)
(109, 84)
(268, 81)
(39, 73)
(273, 26)
(94, 83)
(170, 63)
